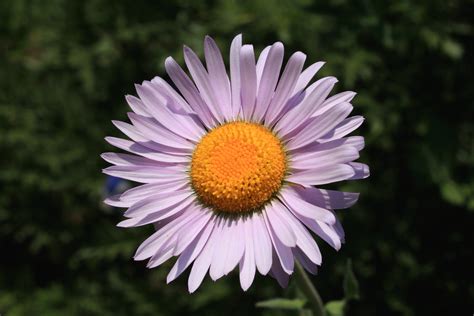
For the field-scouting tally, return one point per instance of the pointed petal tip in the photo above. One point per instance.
(208, 38)
(245, 287)
(121, 225)
(115, 122)
(237, 40)
(192, 287)
(169, 61)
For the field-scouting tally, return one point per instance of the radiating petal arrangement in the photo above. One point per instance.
(229, 163)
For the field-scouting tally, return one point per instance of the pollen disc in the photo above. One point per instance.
(238, 167)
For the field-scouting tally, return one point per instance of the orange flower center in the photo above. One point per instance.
(238, 167)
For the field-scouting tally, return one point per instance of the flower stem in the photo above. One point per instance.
(308, 289)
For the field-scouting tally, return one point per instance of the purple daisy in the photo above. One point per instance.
(229, 165)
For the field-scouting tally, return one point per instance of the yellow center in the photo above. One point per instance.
(238, 167)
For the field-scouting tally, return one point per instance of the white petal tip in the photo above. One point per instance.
(123, 224)
(245, 287)
(279, 45)
(169, 61)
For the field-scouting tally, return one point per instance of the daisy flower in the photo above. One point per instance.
(229, 164)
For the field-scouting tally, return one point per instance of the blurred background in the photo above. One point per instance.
(66, 66)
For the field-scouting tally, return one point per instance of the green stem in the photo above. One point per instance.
(308, 289)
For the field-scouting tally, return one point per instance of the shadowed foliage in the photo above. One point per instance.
(66, 65)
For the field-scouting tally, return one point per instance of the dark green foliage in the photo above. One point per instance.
(66, 65)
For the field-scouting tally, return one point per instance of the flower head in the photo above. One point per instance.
(229, 165)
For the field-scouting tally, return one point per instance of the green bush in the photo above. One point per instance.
(66, 65)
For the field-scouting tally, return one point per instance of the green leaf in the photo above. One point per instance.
(351, 286)
(452, 49)
(282, 303)
(335, 308)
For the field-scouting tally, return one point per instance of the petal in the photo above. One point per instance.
(229, 249)
(248, 77)
(169, 92)
(320, 126)
(146, 174)
(361, 170)
(143, 191)
(304, 261)
(236, 246)
(339, 230)
(262, 244)
(325, 175)
(154, 132)
(137, 105)
(162, 254)
(268, 79)
(218, 76)
(190, 231)
(324, 158)
(323, 230)
(203, 261)
(356, 141)
(156, 215)
(273, 213)
(154, 204)
(160, 237)
(285, 87)
(345, 127)
(322, 144)
(301, 113)
(328, 199)
(134, 134)
(297, 204)
(120, 159)
(341, 97)
(115, 201)
(189, 91)
(201, 79)
(131, 132)
(190, 253)
(222, 229)
(247, 262)
(328, 234)
(304, 240)
(157, 105)
(278, 273)
(143, 151)
(283, 252)
(306, 76)
(262, 58)
(235, 74)
(169, 241)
